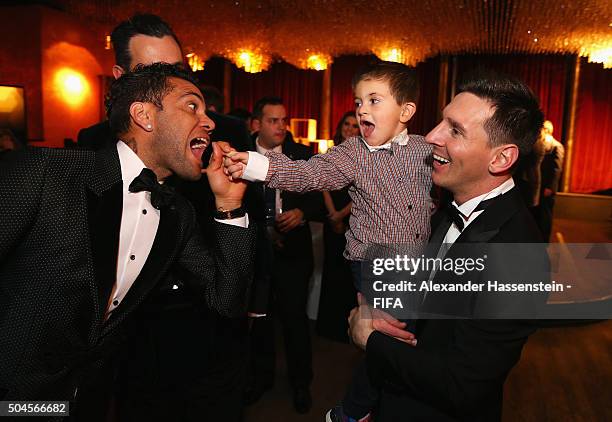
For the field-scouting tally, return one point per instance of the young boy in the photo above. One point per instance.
(388, 171)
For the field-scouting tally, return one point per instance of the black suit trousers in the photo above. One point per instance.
(290, 278)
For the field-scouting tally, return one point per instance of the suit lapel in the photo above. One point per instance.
(481, 230)
(440, 222)
(488, 224)
(104, 225)
(104, 209)
(156, 265)
(288, 149)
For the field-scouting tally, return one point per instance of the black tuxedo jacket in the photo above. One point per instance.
(229, 129)
(458, 368)
(551, 167)
(59, 234)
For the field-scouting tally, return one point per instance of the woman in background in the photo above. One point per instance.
(338, 296)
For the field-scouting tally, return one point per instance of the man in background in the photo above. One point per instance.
(550, 169)
(285, 216)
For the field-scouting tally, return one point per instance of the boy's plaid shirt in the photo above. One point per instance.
(390, 189)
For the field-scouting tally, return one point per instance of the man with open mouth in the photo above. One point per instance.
(86, 236)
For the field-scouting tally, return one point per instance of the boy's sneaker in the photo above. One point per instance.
(336, 414)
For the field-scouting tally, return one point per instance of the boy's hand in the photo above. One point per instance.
(235, 163)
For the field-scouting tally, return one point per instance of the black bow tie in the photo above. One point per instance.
(161, 195)
(457, 216)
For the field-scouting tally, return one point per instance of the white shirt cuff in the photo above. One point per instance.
(257, 167)
(238, 222)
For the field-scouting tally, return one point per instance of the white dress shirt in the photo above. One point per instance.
(139, 224)
(467, 210)
(468, 207)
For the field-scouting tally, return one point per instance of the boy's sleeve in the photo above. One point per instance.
(257, 167)
(331, 171)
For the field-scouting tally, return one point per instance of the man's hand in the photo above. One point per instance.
(228, 194)
(335, 216)
(548, 192)
(235, 163)
(336, 222)
(363, 320)
(289, 220)
(390, 326)
(360, 324)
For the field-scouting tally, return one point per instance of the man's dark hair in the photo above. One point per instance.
(146, 83)
(213, 97)
(140, 24)
(517, 118)
(261, 103)
(402, 79)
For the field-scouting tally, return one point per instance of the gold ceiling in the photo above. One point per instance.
(260, 31)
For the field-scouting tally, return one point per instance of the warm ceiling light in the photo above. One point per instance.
(392, 55)
(317, 62)
(603, 55)
(72, 86)
(251, 62)
(195, 62)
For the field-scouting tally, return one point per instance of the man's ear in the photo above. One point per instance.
(142, 115)
(408, 110)
(255, 125)
(118, 71)
(504, 158)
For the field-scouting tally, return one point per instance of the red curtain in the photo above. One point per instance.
(342, 99)
(426, 116)
(545, 74)
(299, 89)
(592, 151)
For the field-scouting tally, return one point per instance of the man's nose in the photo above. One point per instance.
(207, 123)
(434, 136)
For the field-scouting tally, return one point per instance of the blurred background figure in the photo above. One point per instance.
(213, 97)
(8, 141)
(550, 169)
(337, 291)
(528, 177)
(284, 216)
(242, 114)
